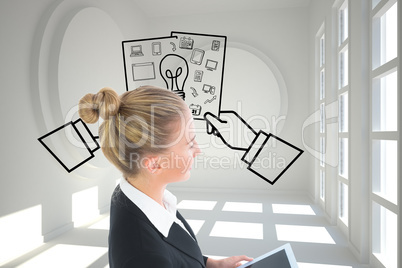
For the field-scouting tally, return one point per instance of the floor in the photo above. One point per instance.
(225, 225)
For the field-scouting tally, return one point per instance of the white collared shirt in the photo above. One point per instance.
(161, 218)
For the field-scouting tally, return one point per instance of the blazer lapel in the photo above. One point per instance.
(181, 240)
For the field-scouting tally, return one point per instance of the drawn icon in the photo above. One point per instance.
(173, 46)
(211, 65)
(195, 93)
(136, 51)
(156, 48)
(186, 43)
(210, 100)
(143, 71)
(195, 109)
(268, 156)
(198, 75)
(215, 45)
(208, 89)
(87, 144)
(197, 56)
(175, 79)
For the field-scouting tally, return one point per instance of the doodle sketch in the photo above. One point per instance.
(268, 156)
(189, 64)
(68, 155)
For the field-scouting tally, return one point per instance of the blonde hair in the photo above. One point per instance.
(136, 124)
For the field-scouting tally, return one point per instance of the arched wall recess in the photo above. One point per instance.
(80, 52)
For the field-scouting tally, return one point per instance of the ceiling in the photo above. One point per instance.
(160, 8)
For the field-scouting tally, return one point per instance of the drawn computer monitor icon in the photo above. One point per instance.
(143, 71)
(211, 65)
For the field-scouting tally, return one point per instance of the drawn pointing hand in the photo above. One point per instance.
(231, 129)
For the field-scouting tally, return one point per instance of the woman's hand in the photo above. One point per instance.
(230, 262)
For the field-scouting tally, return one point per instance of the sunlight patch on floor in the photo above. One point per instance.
(103, 224)
(238, 230)
(306, 234)
(292, 209)
(243, 207)
(20, 232)
(195, 225)
(196, 204)
(320, 265)
(62, 255)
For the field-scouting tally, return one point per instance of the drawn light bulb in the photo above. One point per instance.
(174, 71)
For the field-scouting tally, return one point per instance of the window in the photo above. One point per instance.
(385, 166)
(343, 157)
(343, 204)
(384, 33)
(384, 103)
(322, 184)
(385, 242)
(321, 101)
(385, 132)
(343, 111)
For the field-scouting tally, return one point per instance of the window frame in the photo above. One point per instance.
(380, 205)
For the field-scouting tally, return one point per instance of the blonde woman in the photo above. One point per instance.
(148, 134)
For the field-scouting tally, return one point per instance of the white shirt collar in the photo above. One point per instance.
(161, 218)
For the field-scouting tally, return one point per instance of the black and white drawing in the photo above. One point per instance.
(211, 65)
(143, 71)
(136, 51)
(195, 109)
(196, 56)
(168, 62)
(59, 143)
(186, 42)
(215, 45)
(183, 63)
(198, 75)
(267, 156)
(174, 71)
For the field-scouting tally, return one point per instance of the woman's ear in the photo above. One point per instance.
(152, 164)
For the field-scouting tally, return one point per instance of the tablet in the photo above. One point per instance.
(281, 257)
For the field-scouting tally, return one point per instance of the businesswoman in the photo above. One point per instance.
(148, 134)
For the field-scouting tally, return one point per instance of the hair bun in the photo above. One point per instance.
(105, 104)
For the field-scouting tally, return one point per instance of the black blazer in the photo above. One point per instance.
(135, 242)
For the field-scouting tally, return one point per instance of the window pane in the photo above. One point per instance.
(322, 51)
(322, 118)
(384, 235)
(385, 166)
(322, 84)
(385, 37)
(343, 69)
(385, 108)
(343, 112)
(322, 184)
(322, 151)
(343, 157)
(389, 34)
(343, 202)
(343, 24)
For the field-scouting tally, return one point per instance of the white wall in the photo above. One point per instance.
(32, 35)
